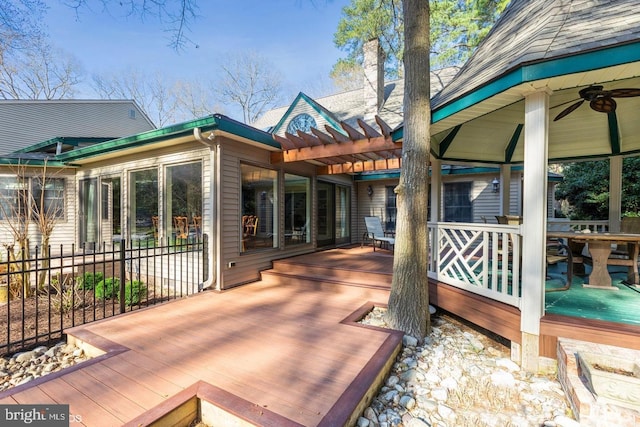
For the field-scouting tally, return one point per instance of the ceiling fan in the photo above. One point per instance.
(599, 99)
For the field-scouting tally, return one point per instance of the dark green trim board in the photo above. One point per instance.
(208, 123)
(314, 105)
(472, 170)
(21, 161)
(448, 140)
(614, 133)
(513, 143)
(74, 141)
(581, 62)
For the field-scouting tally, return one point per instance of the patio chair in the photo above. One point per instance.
(181, 227)
(376, 234)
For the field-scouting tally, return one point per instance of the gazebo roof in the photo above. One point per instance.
(558, 46)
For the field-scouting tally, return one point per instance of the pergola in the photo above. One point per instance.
(500, 108)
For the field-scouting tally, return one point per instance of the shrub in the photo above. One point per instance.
(107, 288)
(89, 280)
(133, 291)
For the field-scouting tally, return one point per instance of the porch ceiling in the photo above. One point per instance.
(366, 149)
(491, 131)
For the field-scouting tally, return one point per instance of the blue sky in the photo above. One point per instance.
(296, 35)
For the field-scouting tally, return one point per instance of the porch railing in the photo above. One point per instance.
(486, 258)
(72, 286)
(480, 258)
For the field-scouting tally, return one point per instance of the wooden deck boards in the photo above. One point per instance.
(281, 347)
(286, 347)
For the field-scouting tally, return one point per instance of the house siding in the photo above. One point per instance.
(247, 266)
(67, 118)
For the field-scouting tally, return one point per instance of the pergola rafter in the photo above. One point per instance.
(367, 149)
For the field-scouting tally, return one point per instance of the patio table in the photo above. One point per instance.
(599, 245)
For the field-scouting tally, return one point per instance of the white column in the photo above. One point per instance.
(436, 190)
(534, 226)
(615, 193)
(505, 189)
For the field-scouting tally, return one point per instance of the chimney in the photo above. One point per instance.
(373, 91)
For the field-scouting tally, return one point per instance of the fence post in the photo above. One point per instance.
(123, 276)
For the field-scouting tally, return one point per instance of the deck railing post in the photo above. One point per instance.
(123, 277)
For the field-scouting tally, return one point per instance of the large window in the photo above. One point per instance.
(184, 200)
(143, 198)
(259, 201)
(297, 199)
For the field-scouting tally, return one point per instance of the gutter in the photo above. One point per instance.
(215, 152)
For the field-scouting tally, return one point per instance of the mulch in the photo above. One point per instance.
(37, 320)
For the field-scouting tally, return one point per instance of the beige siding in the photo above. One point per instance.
(247, 266)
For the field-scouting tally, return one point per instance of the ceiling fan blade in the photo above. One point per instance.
(603, 104)
(568, 110)
(624, 93)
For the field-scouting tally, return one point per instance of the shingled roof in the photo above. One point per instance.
(531, 32)
(349, 106)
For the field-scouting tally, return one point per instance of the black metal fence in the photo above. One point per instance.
(44, 293)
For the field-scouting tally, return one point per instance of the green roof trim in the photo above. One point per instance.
(614, 132)
(41, 162)
(511, 147)
(473, 170)
(75, 141)
(448, 140)
(212, 122)
(581, 62)
(314, 105)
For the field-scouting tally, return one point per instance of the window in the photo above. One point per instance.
(259, 202)
(297, 190)
(391, 209)
(105, 201)
(457, 202)
(13, 201)
(184, 200)
(143, 188)
(16, 200)
(53, 198)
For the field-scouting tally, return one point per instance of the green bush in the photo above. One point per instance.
(89, 280)
(107, 288)
(133, 291)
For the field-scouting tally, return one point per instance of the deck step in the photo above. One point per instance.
(287, 271)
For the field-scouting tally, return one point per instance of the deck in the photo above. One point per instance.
(285, 351)
(279, 352)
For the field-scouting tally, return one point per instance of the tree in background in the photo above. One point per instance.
(176, 16)
(457, 27)
(39, 72)
(251, 82)
(409, 297)
(585, 188)
(20, 24)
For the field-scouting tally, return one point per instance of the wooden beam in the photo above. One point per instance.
(323, 137)
(384, 127)
(353, 133)
(363, 166)
(368, 130)
(338, 136)
(284, 142)
(333, 150)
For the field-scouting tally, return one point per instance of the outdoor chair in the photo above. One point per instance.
(181, 227)
(249, 230)
(376, 234)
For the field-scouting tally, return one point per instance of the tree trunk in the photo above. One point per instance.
(409, 298)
